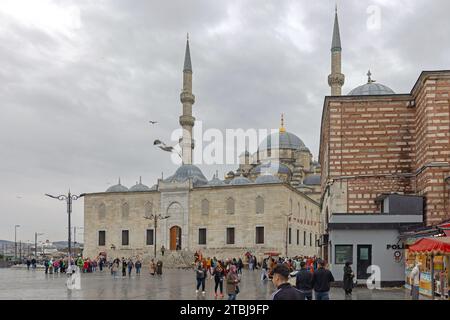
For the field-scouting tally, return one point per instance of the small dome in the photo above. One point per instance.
(188, 171)
(267, 178)
(371, 88)
(117, 188)
(282, 140)
(239, 181)
(271, 168)
(312, 180)
(139, 187)
(216, 182)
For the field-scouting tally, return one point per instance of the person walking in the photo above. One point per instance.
(114, 268)
(200, 274)
(321, 281)
(348, 278)
(28, 263)
(159, 266)
(303, 282)
(284, 289)
(415, 281)
(124, 267)
(138, 266)
(163, 250)
(264, 270)
(232, 283)
(130, 266)
(152, 267)
(219, 274)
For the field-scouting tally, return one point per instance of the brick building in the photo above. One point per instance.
(374, 143)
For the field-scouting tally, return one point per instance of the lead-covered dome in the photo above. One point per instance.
(215, 182)
(117, 188)
(240, 181)
(139, 187)
(188, 171)
(371, 88)
(271, 168)
(282, 140)
(267, 178)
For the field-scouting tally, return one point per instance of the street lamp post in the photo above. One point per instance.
(15, 241)
(155, 218)
(68, 198)
(35, 243)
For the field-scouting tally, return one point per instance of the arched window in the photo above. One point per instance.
(148, 209)
(230, 206)
(125, 210)
(102, 211)
(259, 205)
(290, 205)
(205, 207)
(298, 210)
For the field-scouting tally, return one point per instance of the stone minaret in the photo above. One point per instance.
(187, 99)
(336, 78)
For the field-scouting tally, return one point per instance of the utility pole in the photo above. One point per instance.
(15, 241)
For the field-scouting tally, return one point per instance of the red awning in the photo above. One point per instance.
(435, 246)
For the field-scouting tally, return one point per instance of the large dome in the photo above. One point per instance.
(188, 171)
(239, 181)
(282, 140)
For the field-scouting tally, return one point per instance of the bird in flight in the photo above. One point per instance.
(153, 122)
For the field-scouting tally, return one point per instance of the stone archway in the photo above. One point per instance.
(175, 238)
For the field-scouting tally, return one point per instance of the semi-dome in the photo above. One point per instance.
(271, 168)
(188, 171)
(282, 140)
(267, 178)
(139, 187)
(117, 188)
(371, 88)
(239, 181)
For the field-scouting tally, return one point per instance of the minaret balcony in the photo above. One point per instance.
(187, 97)
(187, 120)
(336, 79)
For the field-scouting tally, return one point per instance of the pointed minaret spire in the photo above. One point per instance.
(336, 79)
(187, 57)
(187, 99)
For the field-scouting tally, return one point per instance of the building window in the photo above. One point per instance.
(343, 254)
(150, 237)
(298, 237)
(230, 235)
(148, 209)
(315, 240)
(205, 207)
(230, 206)
(101, 238)
(202, 236)
(290, 236)
(125, 210)
(102, 211)
(125, 238)
(259, 235)
(310, 239)
(290, 205)
(304, 238)
(259, 205)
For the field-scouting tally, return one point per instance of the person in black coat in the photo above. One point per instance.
(284, 289)
(322, 279)
(303, 282)
(348, 278)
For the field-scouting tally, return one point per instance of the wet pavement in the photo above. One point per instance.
(172, 285)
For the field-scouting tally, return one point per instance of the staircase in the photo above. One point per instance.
(182, 259)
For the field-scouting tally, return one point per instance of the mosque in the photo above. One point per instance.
(270, 203)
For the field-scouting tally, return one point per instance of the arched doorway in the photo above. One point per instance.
(175, 238)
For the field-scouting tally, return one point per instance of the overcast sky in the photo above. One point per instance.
(79, 81)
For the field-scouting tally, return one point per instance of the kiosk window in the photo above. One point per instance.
(343, 253)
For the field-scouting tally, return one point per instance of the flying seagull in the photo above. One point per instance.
(153, 122)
